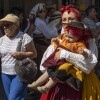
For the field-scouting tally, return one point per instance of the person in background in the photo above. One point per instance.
(19, 12)
(24, 26)
(14, 88)
(30, 24)
(91, 84)
(50, 11)
(55, 20)
(42, 33)
(90, 20)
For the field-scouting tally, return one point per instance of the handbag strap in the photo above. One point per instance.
(19, 44)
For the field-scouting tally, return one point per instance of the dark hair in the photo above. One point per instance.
(16, 10)
(89, 9)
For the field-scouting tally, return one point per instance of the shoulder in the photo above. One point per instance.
(85, 19)
(27, 38)
(3, 37)
(92, 44)
(91, 40)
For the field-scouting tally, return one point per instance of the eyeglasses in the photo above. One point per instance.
(7, 25)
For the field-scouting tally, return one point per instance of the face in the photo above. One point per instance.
(68, 18)
(10, 29)
(93, 13)
(70, 37)
(42, 14)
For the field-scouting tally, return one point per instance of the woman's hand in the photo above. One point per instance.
(83, 52)
(57, 54)
(16, 55)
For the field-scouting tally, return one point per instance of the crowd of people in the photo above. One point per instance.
(64, 46)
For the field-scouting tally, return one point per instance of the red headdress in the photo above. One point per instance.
(71, 9)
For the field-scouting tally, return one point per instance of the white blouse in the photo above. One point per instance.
(7, 46)
(84, 64)
(43, 28)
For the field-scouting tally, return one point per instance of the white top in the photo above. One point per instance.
(84, 64)
(89, 23)
(7, 46)
(43, 28)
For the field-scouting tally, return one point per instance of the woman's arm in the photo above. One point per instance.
(30, 52)
(47, 31)
(84, 64)
(47, 53)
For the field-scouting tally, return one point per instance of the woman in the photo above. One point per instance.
(42, 33)
(90, 88)
(91, 19)
(14, 88)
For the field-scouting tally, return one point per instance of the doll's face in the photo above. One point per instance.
(70, 37)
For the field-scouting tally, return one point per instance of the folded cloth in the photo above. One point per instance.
(51, 62)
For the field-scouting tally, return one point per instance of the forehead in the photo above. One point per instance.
(70, 14)
(93, 10)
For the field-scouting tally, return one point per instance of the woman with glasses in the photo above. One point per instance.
(42, 33)
(14, 88)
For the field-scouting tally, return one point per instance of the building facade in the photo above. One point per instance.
(6, 5)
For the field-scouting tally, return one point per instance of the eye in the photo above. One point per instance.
(64, 19)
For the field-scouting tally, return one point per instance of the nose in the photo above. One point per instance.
(67, 20)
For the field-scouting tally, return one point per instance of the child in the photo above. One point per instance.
(65, 72)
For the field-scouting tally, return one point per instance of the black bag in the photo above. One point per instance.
(25, 68)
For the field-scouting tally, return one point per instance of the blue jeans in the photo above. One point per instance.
(14, 88)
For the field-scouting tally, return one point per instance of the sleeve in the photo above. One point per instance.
(47, 53)
(49, 32)
(84, 64)
(89, 25)
(26, 39)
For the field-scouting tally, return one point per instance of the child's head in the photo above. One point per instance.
(73, 34)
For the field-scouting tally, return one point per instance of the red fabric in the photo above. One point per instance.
(71, 9)
(61, 91)
(51, 62)
(79, 33)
